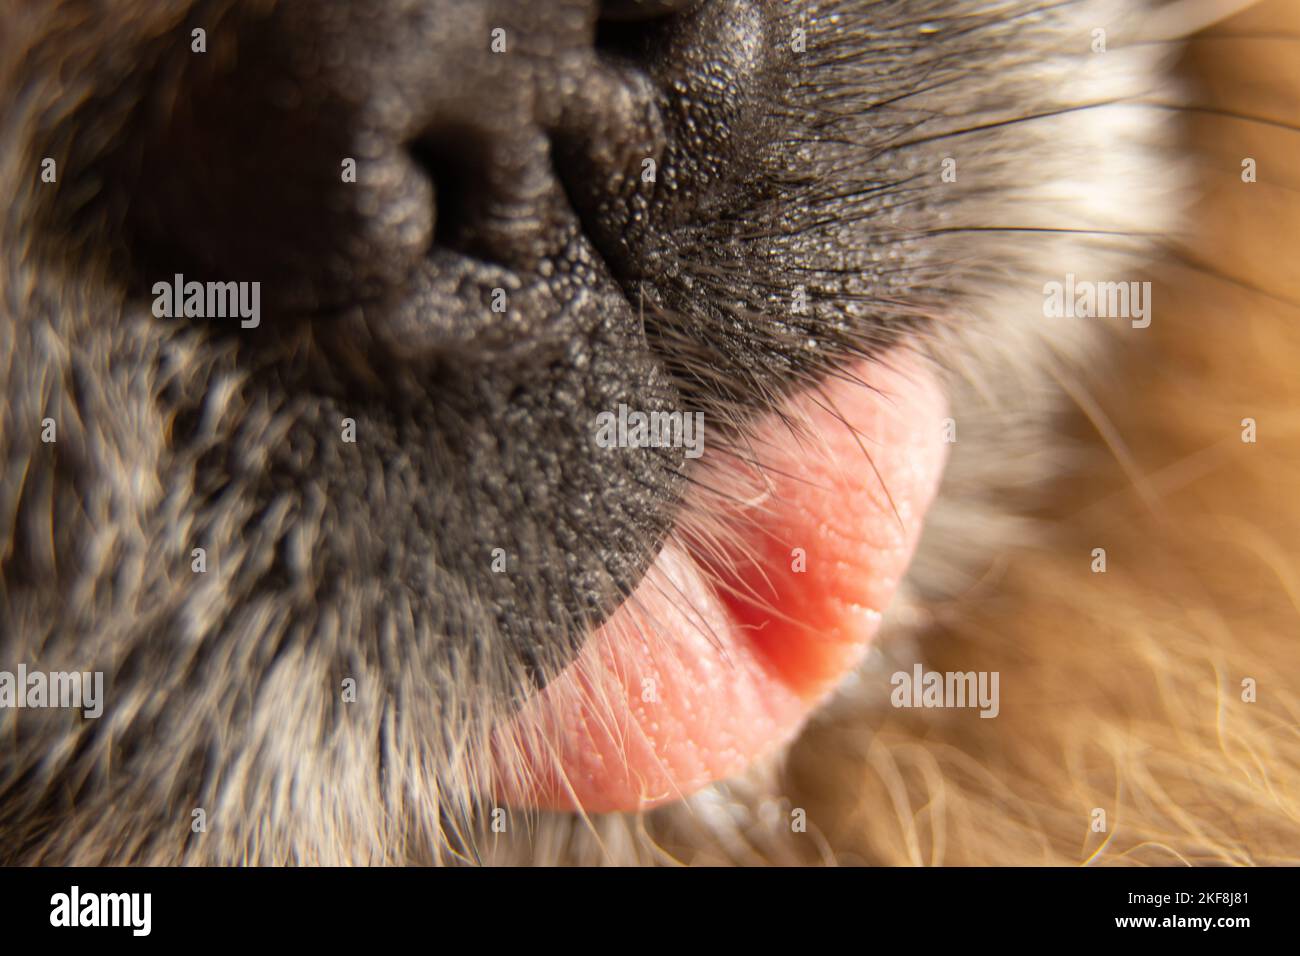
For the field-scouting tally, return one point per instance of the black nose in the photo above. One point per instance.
(329, 150)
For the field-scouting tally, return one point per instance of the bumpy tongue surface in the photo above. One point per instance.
(726, 647)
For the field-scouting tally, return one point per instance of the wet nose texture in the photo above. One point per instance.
(453, 199)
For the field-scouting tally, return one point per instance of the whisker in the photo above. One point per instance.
(1227, 114)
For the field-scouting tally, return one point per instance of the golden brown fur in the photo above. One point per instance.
(1128, 685)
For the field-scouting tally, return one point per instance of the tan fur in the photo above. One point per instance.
(1123, 691)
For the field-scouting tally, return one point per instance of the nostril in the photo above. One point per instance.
(450, 160)
(497, 197)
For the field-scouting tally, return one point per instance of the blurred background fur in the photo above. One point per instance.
(1123, 690)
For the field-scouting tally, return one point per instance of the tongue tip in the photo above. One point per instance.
(809, 656)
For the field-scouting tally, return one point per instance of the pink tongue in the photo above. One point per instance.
(734, 637)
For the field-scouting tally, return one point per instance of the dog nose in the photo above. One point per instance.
(329, 149)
